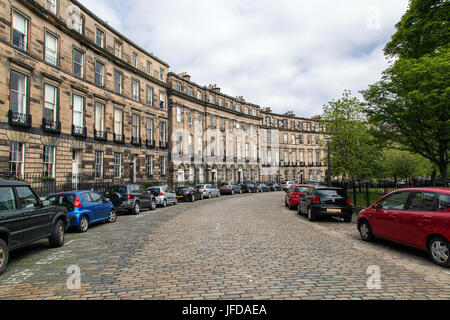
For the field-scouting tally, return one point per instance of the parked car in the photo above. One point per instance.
(326, 202)
(164, 195)
(230, 188)
(263, 188)
(84, 208)
(274, 187)
(130, 198)
(24, 219)
(417, 217)
(294, 194)
(287, 185)
(189, 194)
(208, 190)
(248, 188)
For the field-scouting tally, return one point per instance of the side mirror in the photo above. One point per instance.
(45, 203)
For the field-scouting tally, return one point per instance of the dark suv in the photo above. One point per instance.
(130, 198)
(325, 202)
(25, 219)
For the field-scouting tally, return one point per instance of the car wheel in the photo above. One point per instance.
(201, 197)
(365, 231)
(153, 205)
(285, 203)
(299, 210)
(84, 224)
(192, 198)
(240, 191)
(311, 216)
(232, 192)
(175, 201)
(209, 195)
(56, 239)
(112, 216)
(164, 203)
(218, 194)
(4, 255)
(439, 250)
(137, 208)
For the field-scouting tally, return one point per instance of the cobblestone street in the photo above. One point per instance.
(241, 247)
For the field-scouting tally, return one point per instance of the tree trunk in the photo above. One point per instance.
(433, 177)
(444, 174)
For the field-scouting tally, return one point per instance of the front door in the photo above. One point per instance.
(11, 217)
(385, 221)
(75, 166)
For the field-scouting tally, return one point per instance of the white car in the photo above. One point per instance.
(164, 195)
(288, 185)
(208, 191)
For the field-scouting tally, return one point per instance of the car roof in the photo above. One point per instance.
(9, 183)
(430, 189)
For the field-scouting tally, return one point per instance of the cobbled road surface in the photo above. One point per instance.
(240, 247)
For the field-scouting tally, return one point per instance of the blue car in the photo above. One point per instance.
(84, 208)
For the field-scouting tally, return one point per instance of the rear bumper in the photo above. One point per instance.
(226, 191)
(331, 211)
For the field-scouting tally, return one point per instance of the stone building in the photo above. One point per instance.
(79, 101)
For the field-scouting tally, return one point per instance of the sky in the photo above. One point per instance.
(289, 55)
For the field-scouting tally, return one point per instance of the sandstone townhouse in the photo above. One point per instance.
(78, 100)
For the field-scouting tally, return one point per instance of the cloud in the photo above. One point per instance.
(288, 55)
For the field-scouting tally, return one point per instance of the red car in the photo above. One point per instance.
(417, 217)
(294, 194)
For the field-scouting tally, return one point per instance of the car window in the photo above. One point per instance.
(395, 201)
(26, 197)
(60, 201)
(95, 197)
(421, 201)
(121, 189)
(330, 193)
(86, 197)
(155, 191)
(301, 189)
(444, 201)
(7, 199)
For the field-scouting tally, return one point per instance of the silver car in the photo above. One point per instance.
(164, 195)
(208, 191)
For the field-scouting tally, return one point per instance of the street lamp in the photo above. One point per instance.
(328, 139)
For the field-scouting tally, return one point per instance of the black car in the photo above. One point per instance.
(325, 202)
(189, 194)
(274, 187)
(249, 188)
(130, 198)
(263, 188)
(24, 219)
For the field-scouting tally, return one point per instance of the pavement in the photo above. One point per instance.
(239, 247)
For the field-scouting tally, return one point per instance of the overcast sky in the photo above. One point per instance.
(285, 54)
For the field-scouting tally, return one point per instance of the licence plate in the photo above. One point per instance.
(334, 210)
(180, 196)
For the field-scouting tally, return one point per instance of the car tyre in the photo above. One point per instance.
(112, 216)
(232, 192)
(439, 251)
(56, 239)
(164, 203)
(83, 226)
(202, 197)
(193, 198)
(209, 195)
(175, 201)
(311, 215)
(153, 205)
(136, 209)
(4, 255)
(365, 231)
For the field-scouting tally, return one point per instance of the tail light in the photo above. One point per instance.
(204, 190)
(77, 202)
(160, 194)
(229, 187)
(128, 196)
(349, 202)
(316, 200)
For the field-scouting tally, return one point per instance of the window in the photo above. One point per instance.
(308, 126)
(49, 161)
(135, 126)
(247, 151)
(149, 68)
(118, 49)
(51, 6)
(99, 73)
(245, 110)
(117, 165)
(118, 122)
(98, 164)
(161, 75)
(78, 63)
(78, 110)
(318, 158)
(292, 125)
(211, 99)
(285, 138)
(179, 115)
(51, 48)
(254, 112)
(301, 139)
(20, 31)
(26, 197)
(294, 157)
(443, 201)
(300, 126)
(276, 123)
(220, 102)
(16, 158)
(134, 60)
(149, 96)
(199, 146)
(189, 117)
(189, 91)
(19, 95)
(7, 199)
(163, 166)
(149, 165)
(421, 201)
(310, 157)
(229, 104)
(179, 140)
(162, 100)
(200, 175)
(285, 124)
(293, 139)
(199, 95)
(50, 102)
(135, 89)
(162, 132)
(178, 86)
(309, 140)
(118, 82)
(99, 117)
(77, 21)
(238, 108)
(99, 37)
(395, 201)
(149, 129)
(189, 145)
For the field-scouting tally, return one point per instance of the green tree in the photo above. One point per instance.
(354, 152)
(405, 165)
(410, 105)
